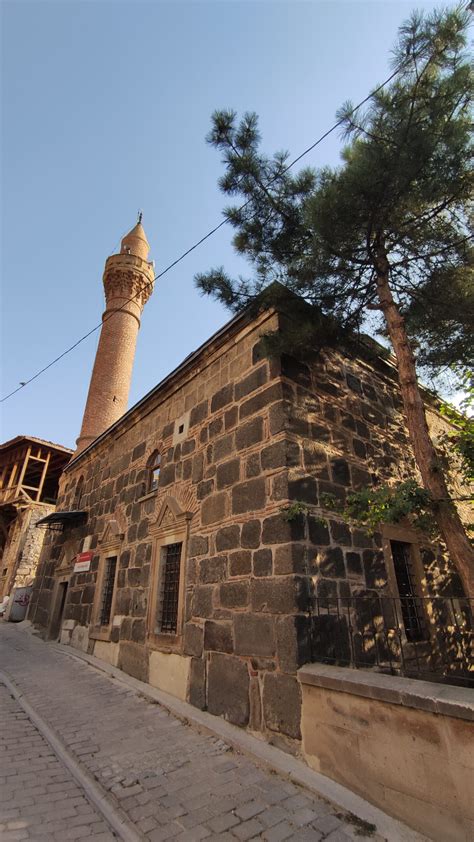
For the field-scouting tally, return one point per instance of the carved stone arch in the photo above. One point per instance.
(111, 533)
(154, 444)
(171, 514)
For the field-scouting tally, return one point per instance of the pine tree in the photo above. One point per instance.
(385, 234)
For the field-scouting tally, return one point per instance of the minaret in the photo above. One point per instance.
(128, 284)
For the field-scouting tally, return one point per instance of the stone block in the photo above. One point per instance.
(304, 489)
(263, 562)
(198, 414)
(240, 563)
(282, 704)
(193, 639)
(228, 473)
(215, 427)
(198, 468)
(277, 530)
(249, 434)
(250, 536)
(214, 508)
(212, 569)
(374, 569)
(283, 453)
(106, 651)
(354, 564)
(231, 417)
(293, 642)
(138, 451)
(290, 558)
(170, 673)
(188, 447)
(259, 401)
(331, 562)
(204, 489)
(252, 466)
(228, 538)
(197, 684)
(278, 416)
(360, 478)
(274, 596)
(295, 370)
(228, 688)
(234, 594)
(201, 603)
(167, 475)
(330, 488)
(248, 496)
(258, 377)
(318, 531)
(223, 397)
(133, 577)
(138, 631)
(340, 532)
(222, 448)
(360, 449)
(133, 659)
(354, 383)
(255, 724)
(340, 472)
(218, 636)
(254, 635)
(198, 545)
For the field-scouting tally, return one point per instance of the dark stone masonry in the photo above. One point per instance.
(241, 438)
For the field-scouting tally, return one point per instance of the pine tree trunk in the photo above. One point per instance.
(453, 533)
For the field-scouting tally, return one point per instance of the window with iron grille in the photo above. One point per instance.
(410, 603)
(169, 589)
(107, 591)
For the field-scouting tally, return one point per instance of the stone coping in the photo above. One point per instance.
(443, 699)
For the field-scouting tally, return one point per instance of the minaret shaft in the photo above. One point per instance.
(128, 283)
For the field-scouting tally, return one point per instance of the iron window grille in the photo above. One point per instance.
(411, 606)
(169, 589)
(107, 591)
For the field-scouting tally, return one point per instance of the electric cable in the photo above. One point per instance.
(199, 242)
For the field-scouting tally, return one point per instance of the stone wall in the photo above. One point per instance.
(23, 548)
(404, 745)
(240, 438)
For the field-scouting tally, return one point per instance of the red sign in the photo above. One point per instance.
(83, 562)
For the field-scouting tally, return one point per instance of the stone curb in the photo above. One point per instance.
(260, 751)
(117, 820)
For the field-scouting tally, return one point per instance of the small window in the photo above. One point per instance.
(107, 591)
(153, 472)
(410, 602)
(169, 589)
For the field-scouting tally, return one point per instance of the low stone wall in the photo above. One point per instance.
(405, 745)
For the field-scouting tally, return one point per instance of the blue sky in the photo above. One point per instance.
(105, 109)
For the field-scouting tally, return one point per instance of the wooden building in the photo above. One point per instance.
(29, 473)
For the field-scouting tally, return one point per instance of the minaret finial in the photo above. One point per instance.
(140, 216)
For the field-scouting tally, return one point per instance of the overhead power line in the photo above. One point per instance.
(199, 242)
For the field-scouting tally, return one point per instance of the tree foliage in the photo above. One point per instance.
(406, 178)
(387, 233)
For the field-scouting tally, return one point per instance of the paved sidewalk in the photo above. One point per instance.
(39, 799)
(172, 781)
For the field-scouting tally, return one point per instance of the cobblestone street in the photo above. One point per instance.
(171, 780)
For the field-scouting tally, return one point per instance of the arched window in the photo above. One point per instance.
(78, 494)
(153, 472)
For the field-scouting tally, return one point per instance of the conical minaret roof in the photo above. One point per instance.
(135, 242)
